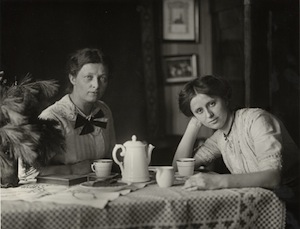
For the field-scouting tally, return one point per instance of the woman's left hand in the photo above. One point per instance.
(203, 181)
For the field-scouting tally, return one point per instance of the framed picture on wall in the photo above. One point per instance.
(180, 68)
(180, 20)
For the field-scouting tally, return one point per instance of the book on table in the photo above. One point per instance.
(62, 179)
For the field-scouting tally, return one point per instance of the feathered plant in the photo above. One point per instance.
(27, 99)
(19, 142)
(22, 134)
(35, 143)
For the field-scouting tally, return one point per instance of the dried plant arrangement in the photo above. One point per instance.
(22, 134)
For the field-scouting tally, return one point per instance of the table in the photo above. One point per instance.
(154, 207)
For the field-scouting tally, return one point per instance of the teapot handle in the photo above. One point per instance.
(122, 153)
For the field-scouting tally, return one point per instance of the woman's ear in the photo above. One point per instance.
(72, 79)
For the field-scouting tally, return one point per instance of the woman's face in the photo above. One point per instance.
(211, 111)
(90, 83)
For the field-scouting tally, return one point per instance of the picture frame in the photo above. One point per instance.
(180, 68)
(180, 20)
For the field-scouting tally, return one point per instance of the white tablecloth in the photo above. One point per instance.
(153, 207)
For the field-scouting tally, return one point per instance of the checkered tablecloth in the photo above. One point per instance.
(154, 207)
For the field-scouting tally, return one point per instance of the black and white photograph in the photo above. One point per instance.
(134, 114)
(180, 20)
(180, 68)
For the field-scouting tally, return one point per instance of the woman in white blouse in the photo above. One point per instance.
(86, 121)
(254, 144)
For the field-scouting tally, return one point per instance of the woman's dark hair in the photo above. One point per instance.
(82, 57)
(209, 85)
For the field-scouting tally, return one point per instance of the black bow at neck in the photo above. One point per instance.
(88, 123)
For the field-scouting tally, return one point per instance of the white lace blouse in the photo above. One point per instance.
(95, 145)
(258, 141)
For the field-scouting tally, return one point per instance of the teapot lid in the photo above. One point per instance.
(134, 142)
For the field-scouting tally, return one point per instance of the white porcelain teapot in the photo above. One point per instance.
(137, 156)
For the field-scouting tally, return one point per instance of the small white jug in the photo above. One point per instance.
(165, 176)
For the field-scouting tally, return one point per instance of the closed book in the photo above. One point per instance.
(62, 179)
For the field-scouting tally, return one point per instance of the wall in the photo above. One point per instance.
(256, 47)
(273, 63)
(228, 46)
(37, 36)
(175, 121)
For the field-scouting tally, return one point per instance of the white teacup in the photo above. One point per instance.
(165, 176)
(185, 166)
(102, 167)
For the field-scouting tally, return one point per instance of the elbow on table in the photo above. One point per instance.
(274, 180)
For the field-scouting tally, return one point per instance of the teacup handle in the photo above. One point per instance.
(93, 167)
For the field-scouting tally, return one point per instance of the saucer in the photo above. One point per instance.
(181, 177)
(153, 168)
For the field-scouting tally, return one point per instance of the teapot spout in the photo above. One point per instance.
(150, 149)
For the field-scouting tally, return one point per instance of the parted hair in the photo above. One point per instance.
(85, 56)
(207, 84)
